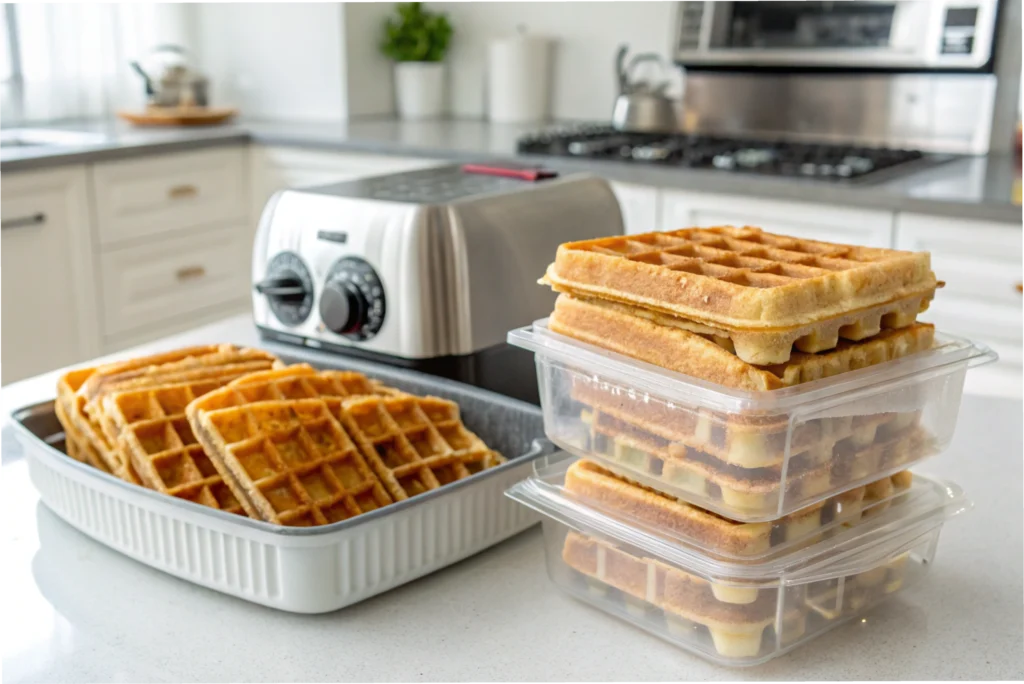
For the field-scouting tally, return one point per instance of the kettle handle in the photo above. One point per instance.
(145, 77)
(620, 69)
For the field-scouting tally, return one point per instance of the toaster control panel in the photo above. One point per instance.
(288, 288)
(352, 301)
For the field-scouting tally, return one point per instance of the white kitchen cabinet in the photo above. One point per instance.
(869, 227)
(980, 262)
(639, 205)
(148, 197)
(49, 308)
(277, 168)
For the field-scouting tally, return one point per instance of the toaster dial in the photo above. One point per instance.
(288, 288)
(352, 302)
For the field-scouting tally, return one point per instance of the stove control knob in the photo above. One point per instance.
(288, 288)
(352, 301)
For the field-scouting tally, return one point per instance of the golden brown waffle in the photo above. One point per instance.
(764, 292)
(615, 328)
(88, 440)
(289, 461)
(635, 501)
(153, 435)
(688, 601)
(75, 444)
(299, 381)
(744, 442)
(415, 444)
(172, 367)
(657, 463)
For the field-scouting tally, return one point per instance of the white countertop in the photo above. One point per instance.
(75, 611)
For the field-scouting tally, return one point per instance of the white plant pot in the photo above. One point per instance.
(419, 89)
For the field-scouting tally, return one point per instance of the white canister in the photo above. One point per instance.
(519, 79)
(419, 89)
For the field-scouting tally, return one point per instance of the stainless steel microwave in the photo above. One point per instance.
(898, 35)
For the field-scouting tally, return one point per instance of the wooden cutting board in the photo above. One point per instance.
(179, 116)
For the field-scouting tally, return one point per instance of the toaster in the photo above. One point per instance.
(426, 270)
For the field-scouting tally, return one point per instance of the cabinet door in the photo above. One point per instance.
(49, 316)
(277, 168)
(868, 227)
(156, 196)
(639, 205)
(980, 262)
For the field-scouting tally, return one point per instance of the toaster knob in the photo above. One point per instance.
(343, 308)
(288, 288)
(352, 301)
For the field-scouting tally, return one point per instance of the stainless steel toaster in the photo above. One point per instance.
(427, 269)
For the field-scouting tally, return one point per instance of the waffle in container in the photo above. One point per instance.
(299, 569)
(733, 610)
(748, 456)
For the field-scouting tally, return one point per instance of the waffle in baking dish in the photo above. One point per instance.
(311, 461)
(763, 293)
(623, 330)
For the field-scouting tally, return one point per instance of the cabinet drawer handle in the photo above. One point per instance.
(182, 191)
(24, 221)
(1020, 288)
(189, 273)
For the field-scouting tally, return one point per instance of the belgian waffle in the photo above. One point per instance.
(300, 381)
(172, 367)
(766, 293)
(687, 601)
(87, 441)
(289, 461)
(653, 461)
(759, 442)
(720, 535)
(619, 329)
(415, 444)
(154, 436)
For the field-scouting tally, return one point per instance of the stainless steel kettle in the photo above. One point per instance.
(642, 107)
(169, 80)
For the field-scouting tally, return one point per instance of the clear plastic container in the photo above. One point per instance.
(737, 611)
(748, 456)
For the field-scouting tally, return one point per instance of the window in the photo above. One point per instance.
(6, 70)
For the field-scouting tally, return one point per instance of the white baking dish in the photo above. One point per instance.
(302, 570)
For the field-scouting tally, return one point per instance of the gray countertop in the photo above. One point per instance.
(970, 187)
(76, 611)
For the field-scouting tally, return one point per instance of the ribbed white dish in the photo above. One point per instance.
(302, 570)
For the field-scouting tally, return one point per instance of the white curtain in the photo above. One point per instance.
(74, 57)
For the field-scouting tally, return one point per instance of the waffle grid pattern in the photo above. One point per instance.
(744, 257)
(297, 465)
(416, 443)
(155, 436)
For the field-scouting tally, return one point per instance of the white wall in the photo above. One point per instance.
(321, 61)
(275, 60)
(586, 36)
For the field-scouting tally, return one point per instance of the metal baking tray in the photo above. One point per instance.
(302, 570)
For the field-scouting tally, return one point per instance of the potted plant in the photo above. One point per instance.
(417, 40)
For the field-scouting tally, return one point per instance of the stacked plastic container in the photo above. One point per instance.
(740, 523)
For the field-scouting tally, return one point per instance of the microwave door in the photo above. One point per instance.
(855, 34)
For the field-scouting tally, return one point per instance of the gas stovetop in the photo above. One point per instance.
(819, 161)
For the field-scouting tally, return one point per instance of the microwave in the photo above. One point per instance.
(848, 35)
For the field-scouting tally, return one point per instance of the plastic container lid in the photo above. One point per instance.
(949, 354)
(850, 548)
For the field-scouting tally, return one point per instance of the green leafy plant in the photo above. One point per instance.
(416, 35)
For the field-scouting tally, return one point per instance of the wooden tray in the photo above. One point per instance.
(179, 116)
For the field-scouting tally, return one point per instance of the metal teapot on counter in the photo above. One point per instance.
(170, 81)
(642, 107)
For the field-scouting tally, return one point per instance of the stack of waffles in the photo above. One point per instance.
(237, 430)
(747, 314)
